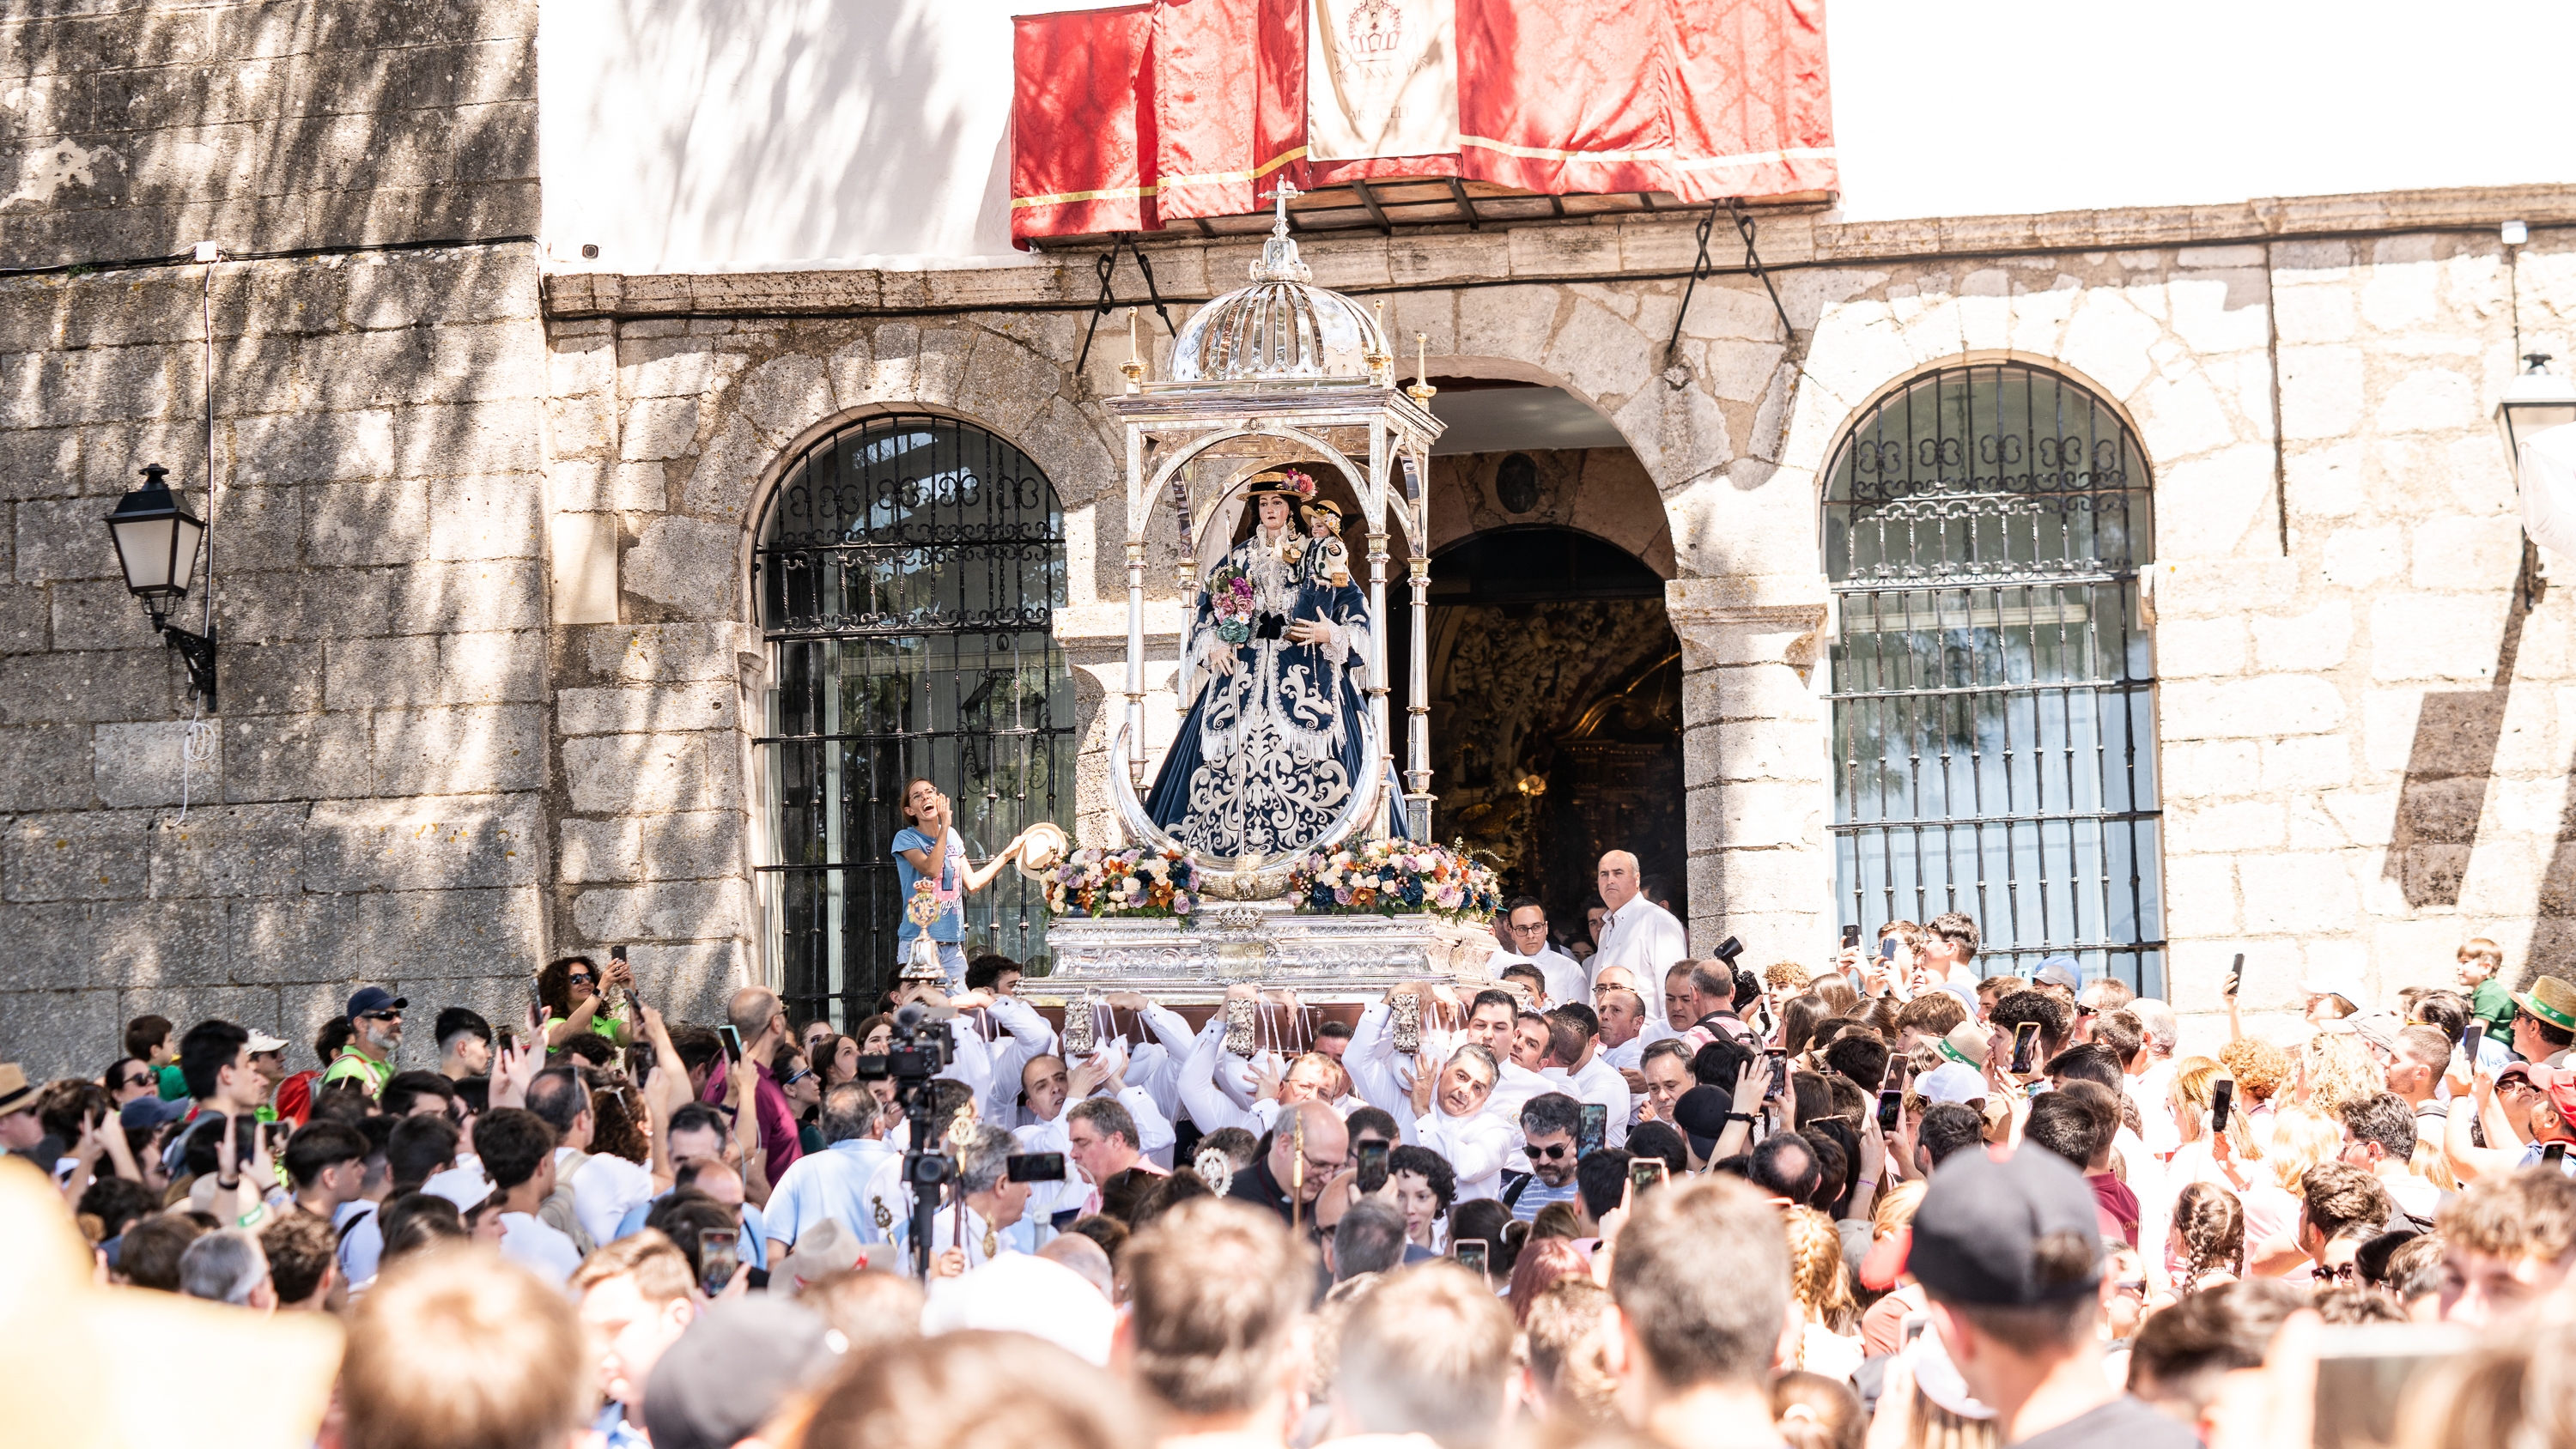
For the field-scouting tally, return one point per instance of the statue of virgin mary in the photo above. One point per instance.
(1272, 746)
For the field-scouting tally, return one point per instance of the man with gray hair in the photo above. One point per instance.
(1368, 1239)
(1636, 933)
(992, 1209)
(834, 1184)
(228, 1267)
(2152, 1087)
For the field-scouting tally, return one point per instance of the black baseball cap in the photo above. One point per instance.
(1701, 1112)
(374, 998)
(1978, 1231)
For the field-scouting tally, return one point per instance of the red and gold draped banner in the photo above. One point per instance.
(1132, 118)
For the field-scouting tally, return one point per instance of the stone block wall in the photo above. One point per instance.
(133, 128)
(367, 803)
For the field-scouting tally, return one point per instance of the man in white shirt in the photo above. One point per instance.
(1591, 1079)
(1050, 1086)
(604, 1185)
(2153, 1084)
(1636, 933)
(1453, 1121)
(994, 1207)
(1627, 1027)
(833, 1183)
(1523, 926)
(517, 1150)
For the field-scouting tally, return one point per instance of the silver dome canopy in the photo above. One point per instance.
(1282, 328)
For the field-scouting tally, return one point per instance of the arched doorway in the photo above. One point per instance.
(1554, 674)
(907, 572)
(1993, 685)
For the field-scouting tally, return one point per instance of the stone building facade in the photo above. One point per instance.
(493, 669)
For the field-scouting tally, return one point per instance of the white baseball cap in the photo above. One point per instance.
(1952, 1082)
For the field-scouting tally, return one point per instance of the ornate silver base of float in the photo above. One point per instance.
(1324, 959)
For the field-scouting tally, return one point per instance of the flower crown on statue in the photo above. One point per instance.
(1290, 482)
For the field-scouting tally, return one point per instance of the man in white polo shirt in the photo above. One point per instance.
(1523, 927)
(1637, 933)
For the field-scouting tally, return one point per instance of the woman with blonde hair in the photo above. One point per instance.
(1820, 1287)
(2205, 1155)
(1891, 1237)
(2335, 1070)
(2301, 1138)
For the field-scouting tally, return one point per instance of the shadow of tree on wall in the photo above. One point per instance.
(369, 806)
(266, 127)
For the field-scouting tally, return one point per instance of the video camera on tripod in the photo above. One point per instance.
(919, 1052)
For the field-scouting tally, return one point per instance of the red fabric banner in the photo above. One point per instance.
(1124, 120)
(1752, 113)
(1231, 103)
(1083, 130)
(1565, 96)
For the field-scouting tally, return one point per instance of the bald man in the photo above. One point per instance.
(1636, 934)
(755, 1012)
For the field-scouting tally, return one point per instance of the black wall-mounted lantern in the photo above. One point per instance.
(157, 543)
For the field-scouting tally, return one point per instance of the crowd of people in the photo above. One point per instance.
(1877, 1197)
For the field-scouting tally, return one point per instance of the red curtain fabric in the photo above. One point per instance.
(1230, 103)
(1565, 96)
(1126, 119)
(1083, 129)
(1752, 113)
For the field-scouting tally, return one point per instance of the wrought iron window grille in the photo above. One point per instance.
(1993, 681)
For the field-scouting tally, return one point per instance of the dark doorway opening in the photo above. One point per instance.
(1555, 694)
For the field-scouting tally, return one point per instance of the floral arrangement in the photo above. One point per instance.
(1302, 482)
(1230, 595)
(1394, 877)
(1137, 882)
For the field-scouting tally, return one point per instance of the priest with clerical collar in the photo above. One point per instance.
(1308, 1148)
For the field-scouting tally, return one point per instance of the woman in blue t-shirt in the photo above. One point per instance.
(930, 849)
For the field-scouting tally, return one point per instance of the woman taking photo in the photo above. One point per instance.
(571, 990)
(931, 870)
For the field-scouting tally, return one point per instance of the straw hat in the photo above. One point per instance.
(1043, 846)
(17, 1094)
(2550, 999)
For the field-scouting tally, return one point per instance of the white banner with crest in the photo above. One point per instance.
(1381, 78)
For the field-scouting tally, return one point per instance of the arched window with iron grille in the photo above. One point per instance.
(908, 570)
(1993, 685)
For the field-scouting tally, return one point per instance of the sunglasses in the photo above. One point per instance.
(800, 1074)
(143, 1081)
(2343, 1272)
(579, 979)
(380, 1016)
(1553, 1152)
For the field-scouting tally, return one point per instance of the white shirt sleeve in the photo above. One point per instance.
(1200, 1098)
(1153, 1129)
